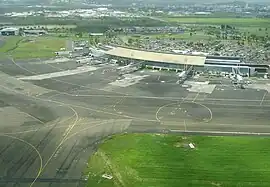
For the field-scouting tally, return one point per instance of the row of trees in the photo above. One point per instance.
(227, 32)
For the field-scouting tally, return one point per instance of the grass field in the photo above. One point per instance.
(33, 47)
(185, 36)
(180, 36)
(249, 22)
(9, 43)
(148, 160)
(259, 31)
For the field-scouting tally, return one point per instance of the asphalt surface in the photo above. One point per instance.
(49, 128)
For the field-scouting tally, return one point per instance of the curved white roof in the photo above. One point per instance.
(157, 57)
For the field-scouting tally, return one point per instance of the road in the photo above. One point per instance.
(50, 127)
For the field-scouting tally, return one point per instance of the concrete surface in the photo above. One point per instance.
(49, 131)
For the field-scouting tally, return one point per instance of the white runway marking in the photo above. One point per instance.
(222, 132)
(168, 98)
(196, 97)
(128, 80)
(59, 74)
(263, 98)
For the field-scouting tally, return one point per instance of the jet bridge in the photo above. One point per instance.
(129, 68)
(183, 76)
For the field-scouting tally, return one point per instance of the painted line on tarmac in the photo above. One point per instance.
(42, 128)
(83, 130)
(121, 100)
(32, 146)
(57, 80)
(220, 132)
(153, 97)
(183, 101)
(161, 107)
(166, 98)
(263, 98)
(59, 145)
(131, 96)
(33, 117)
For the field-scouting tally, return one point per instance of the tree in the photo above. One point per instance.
(96, 40)
(79, 34)
(228, 27)
(222, 27)
(130, 40)
(190, 34)
(20, 31)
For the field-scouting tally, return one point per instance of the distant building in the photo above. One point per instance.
(35, 32)
(96, 34)
(9, 31)
(63, 53)
(202, 13)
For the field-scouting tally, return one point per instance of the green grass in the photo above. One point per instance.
(10, 43)
(32, 47)
(214, 21)
(259, 31)
(185, 36)
(38, 47)
(148, 160)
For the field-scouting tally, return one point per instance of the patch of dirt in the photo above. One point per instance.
(216, 184)
(178, 144)
(26, 41)
(113, 169)
(132, 173)
(183, 142)
(161, 135)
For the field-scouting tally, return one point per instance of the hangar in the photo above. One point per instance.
(9, 31)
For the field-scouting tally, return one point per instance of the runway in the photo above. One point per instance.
(50, 127)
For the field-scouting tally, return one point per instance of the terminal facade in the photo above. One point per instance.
(163, 61)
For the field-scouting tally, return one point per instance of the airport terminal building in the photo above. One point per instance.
(178, 62)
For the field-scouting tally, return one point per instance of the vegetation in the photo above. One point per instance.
(10, 43)
(144, 160)
(186, 36)
(32, 47)
(85, 25)
(263, 22)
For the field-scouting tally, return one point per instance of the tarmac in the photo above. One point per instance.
(50, 127)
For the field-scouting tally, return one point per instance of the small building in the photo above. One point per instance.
(10, 31)
(96, 34)
(63, 53)
(35, 32)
